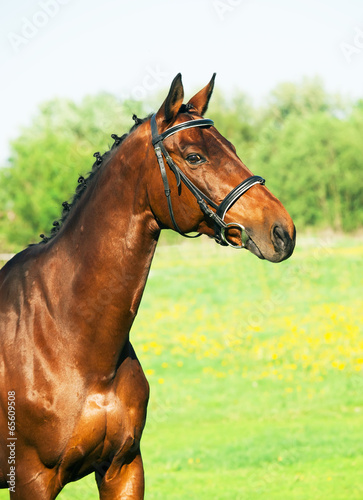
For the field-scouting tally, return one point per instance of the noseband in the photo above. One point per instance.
(220, 226)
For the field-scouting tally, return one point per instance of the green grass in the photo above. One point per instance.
(256, 374)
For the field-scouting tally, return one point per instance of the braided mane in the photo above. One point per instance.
(83, 182)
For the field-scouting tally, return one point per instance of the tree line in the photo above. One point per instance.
(306, 142)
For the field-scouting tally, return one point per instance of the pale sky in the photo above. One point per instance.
(70, 48)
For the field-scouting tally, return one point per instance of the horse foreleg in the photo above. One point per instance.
(123, 481)
(42, 486)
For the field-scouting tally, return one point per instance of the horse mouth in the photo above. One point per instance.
(253, 248)
(238, 237)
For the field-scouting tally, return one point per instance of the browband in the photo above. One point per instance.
(205, 122)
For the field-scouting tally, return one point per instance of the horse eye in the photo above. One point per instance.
(195, 159)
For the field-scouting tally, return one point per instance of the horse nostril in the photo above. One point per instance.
(282, 241)
(280, 238)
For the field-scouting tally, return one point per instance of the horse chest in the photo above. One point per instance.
(112, 419)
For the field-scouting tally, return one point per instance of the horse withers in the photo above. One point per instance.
(73, 394)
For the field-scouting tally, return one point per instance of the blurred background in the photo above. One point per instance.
(256, 379)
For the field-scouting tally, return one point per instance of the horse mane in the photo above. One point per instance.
(83, 182)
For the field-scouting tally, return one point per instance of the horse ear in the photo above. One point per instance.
(170, 107)
(201, 100)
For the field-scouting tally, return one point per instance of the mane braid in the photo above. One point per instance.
(83, 182)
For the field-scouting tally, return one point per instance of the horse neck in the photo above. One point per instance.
(105, 252)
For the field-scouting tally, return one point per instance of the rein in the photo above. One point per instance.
(220, 226)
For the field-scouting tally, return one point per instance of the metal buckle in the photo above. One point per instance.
(225, 240)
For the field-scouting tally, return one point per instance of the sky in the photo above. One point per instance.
(71, 48)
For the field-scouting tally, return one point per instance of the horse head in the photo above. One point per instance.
(199, 157)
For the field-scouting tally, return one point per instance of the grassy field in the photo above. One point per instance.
(256, 374)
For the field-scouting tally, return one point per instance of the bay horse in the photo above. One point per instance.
(73, 393)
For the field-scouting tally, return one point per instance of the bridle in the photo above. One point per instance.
(220, 226)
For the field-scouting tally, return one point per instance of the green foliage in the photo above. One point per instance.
(313, 170)
(307, 143)
(301, 100)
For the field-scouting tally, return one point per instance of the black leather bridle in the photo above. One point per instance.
(220, 226)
